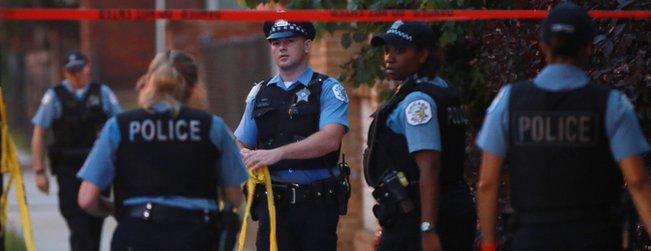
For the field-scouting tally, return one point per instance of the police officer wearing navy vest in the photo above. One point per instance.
(75, 110)
(294, 123)
(416, 149)
(563, 138)
(166, 162)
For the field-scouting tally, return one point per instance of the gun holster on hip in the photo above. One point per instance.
(343, 186)
(393, 197)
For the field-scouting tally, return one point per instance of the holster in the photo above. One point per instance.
(393, 200)
(343, 187)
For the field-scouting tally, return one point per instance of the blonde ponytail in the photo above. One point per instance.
(171, 78)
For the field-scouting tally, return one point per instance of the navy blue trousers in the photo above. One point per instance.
(576, 236)
(456, 225)
(139, 235)
(85, 229)
(304, 226)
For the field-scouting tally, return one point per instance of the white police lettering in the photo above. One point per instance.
(418, 112)
(165, 130)
(556, 128)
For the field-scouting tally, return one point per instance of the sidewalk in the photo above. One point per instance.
(49, 228)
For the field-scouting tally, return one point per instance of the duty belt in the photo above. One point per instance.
(290, 193)
(161, 213)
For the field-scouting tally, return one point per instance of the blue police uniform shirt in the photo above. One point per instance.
(334, 110)
(622, 128)
(99, 167)
(422, 133)
(50, 107)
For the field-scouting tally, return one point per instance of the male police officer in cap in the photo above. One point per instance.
(75, 110)
(563, 137)
(294, 123)
(415, 154)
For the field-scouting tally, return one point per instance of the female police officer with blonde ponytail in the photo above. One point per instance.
(165, 161)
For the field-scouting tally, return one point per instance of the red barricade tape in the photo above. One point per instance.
(296, 15)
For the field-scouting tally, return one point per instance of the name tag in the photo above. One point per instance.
(556, 128)
(165, 130)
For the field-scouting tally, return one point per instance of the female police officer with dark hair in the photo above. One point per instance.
(563, 138)
(165, 161)
(416, 152)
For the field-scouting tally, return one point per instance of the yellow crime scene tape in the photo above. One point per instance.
(10, 164)
(259, 176)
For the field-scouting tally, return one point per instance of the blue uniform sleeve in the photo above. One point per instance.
(232, 171)
(99, 167)
(416, 118)
(334, 104)
(624, 133)
(48, 110)
(493, 136)
(110, 104)
(247, 131)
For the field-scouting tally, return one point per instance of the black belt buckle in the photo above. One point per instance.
(292, 188)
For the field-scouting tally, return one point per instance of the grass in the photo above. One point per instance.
(14, 241)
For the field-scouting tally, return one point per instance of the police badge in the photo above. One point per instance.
(93, 100)
(303, 95)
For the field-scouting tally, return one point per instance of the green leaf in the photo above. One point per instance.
(359, 37)
(346, 40)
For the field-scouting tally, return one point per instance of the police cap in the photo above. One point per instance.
(406, 34)
(75, 61)
(569, 21)
(284, 29)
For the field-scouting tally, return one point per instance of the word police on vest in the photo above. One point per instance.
(556, 128)
(165, 130)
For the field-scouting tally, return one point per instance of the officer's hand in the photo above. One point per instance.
(431, 242)
(259, 158)
(43, 182)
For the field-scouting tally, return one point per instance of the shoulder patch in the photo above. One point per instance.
(340, 92)
(253, 92)
(47, 98)
(418, 112)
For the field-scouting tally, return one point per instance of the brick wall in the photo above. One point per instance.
(327, 57)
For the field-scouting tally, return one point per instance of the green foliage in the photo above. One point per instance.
(14, 241)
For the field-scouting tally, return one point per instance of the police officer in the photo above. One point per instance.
(563, 137)
(166, 162)
(75, 110)
(293, 123)
(414, 160)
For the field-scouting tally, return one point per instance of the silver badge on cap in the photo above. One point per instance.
(302, 95)
(396, 25)
(281, 23)
(563, 28)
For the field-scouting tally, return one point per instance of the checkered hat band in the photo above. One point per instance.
(401, 34)
(291, 27)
